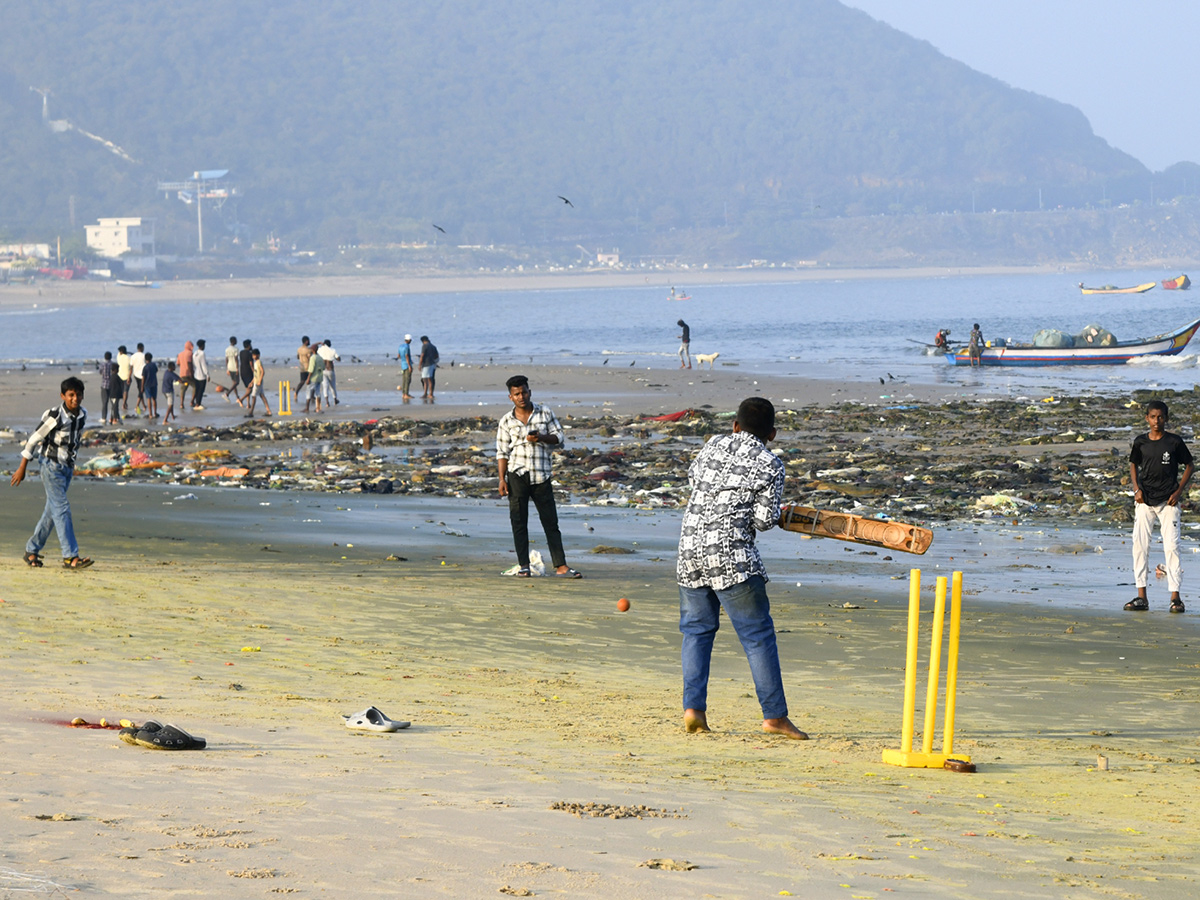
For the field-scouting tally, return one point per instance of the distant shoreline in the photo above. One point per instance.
(374, 285)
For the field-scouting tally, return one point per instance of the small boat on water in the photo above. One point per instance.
(1004, 353)
(1113, 289)
(675, 296)
(1182, 283)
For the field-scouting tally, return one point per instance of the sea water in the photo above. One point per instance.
(836, 329)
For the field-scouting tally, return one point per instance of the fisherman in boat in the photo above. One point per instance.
(942, 340)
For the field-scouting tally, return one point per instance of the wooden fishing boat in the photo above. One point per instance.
(1182, 283)
(137, 284)
(1112, 289)
(1012, 354)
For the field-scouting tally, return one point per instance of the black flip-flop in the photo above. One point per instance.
(33, 560)
(1177, 606)
(1138, 604)
(77, 562)
(169, 737)
(570, 573)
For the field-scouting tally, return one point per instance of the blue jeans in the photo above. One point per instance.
(56, 478)
(749, 610)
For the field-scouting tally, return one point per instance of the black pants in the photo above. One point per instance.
(198, 385)
(520, 491)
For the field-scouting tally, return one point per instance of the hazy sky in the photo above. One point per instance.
(1127, 64)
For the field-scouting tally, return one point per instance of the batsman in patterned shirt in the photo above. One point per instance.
(56, 440)
(737, 489)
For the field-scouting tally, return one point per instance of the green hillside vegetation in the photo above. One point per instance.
(347, 122)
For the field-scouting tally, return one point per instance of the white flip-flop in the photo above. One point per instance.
(372, 719)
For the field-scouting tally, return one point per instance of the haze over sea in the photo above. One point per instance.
(852, 329)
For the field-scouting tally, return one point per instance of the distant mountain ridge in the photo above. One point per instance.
(343, 121)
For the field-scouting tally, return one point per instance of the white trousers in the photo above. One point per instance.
(1168, 519)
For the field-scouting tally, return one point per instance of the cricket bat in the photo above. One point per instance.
(858, 529)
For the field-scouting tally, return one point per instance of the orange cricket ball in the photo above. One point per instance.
(622, 605)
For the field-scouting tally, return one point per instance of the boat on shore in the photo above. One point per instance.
(1182, 283)
(137, 284)
(1113, 289)
(1006, 353)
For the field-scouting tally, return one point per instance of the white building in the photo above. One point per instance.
(113, 238)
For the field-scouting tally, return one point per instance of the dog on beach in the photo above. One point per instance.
(702, 358)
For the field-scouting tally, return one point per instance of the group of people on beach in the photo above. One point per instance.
(318, 374)
(139, 376)
(736, 486)
(427, 363)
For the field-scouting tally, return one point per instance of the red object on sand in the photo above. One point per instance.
(671, 417)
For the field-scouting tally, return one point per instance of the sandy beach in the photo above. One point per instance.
(255, 618)
(387, 283)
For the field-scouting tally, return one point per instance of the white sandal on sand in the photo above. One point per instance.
(371, 719)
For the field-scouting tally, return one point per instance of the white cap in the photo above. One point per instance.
(408, 337)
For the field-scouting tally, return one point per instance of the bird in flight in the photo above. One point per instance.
(566, 201)
(438, 227)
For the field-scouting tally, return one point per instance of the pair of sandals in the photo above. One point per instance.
(35, 561)
(570, 573)
(1141, 604)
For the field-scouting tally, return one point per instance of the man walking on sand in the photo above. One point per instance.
(1154, 465)
(232, 369)
(685, 343)
(303, 353)
(199, 375)
(428, 364)
(523, 441)
(404, 354)
(329, 355)
(258, 375)
(737, 488)
(137, 362)
(56, 440)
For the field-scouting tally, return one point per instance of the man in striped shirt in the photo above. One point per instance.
(56, 440)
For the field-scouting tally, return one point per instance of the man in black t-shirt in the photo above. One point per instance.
(1154, 464)
(246, 364)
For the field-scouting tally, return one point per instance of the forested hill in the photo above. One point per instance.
(345, 121)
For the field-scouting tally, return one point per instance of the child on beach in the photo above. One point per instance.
(737, 489)
(256, 384)
(56, 440)
(150, 386)
(1154, 465)
(168, 387)
(110, 386)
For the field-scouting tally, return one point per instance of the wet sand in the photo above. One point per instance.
(247, 618)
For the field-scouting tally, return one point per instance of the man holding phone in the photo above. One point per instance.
(524, 439)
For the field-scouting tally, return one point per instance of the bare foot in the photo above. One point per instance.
(785, 727)
(695, 721)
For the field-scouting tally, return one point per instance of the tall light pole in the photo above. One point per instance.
(200, 187)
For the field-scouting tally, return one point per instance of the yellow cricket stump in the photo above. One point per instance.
(285, 398)
(926, 758)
